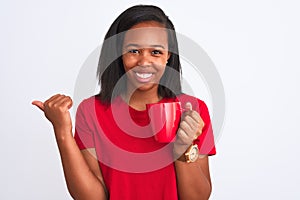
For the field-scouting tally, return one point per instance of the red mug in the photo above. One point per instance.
(164, 120)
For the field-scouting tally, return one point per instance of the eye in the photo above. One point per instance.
(134, 51)
(156, 52)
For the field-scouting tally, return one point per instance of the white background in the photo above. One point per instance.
(254, 45)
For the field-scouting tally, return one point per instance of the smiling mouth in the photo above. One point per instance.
(144, 77)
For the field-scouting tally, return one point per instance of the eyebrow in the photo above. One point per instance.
(136, 45)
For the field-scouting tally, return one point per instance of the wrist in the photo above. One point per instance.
(179, 150)
(181, 158)
(190, 155)
(62, 133)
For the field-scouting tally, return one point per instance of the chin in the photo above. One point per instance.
(147, 87)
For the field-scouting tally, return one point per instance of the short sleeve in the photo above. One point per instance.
(205, 141)
(83, 133)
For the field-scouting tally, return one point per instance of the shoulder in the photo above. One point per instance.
(94, 104)
(86, 104)
(90, 104)
(88, 110)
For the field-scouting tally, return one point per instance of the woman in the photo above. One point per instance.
(133, 73)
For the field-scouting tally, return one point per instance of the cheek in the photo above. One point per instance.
(128, 63)
(163, 61)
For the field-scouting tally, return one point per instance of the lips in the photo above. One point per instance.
(143, 76)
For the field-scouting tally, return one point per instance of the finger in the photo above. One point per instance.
(188, 106)
(194, 125)
(197, 118)
(182, 137)
(194, 128)
(66, 102)
(38, 104)
(55, 100)
(52, 98)
(195, 115)
(70, 103)
(185, 127)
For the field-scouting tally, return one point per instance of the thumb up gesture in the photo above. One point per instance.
(56, 110)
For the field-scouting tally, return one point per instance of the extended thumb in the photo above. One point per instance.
(188, 106)
(38, 104)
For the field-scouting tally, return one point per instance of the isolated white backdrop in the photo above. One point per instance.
(254, 45)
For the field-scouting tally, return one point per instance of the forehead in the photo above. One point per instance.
(147, 34)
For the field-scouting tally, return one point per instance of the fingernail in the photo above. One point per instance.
(188, 105)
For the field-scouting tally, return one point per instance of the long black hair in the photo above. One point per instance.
(110, 67)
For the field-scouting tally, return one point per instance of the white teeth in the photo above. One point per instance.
(144, 75)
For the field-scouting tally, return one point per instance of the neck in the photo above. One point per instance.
(138, 99)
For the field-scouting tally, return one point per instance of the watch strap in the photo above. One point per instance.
(185, 156)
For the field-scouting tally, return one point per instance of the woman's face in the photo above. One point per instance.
(145, 54)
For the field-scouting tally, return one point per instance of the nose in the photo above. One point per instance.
(145, 58)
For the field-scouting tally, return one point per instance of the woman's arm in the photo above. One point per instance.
(193, 179)
(82, 181)
(92, 161)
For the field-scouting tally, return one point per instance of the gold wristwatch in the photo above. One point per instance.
(191, 154)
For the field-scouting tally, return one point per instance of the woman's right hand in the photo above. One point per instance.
(81, 170)
(56, 110)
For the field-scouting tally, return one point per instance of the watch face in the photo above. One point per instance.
(193, 154)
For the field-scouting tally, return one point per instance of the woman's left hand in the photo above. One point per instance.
(190, 128)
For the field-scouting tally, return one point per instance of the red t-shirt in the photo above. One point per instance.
(133, 164)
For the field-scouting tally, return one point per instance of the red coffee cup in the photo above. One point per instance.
(164, 120)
